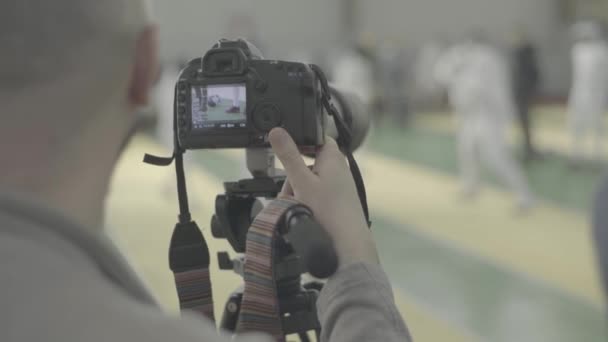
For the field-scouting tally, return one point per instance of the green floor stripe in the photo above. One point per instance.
(463, 289)
(549, 124)
(549, 243)
(551, 179)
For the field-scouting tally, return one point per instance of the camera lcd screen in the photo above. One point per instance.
(219, 106)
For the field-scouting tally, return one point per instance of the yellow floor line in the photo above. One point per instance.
(424, 326)
(551, 244)
(141, 214)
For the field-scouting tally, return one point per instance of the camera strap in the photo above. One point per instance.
(188, 252)
(260, 309)
(344, 141)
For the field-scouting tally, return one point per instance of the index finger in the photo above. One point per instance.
(286, 150)
(329, 154)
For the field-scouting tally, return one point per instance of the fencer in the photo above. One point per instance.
(354, 74)
(589, 93)
(477, 81)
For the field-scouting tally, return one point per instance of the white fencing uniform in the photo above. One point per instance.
(478, 86)
(354, 74)
(588, 96)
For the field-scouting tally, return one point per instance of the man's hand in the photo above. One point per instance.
(329, 191)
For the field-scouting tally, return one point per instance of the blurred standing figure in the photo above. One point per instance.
(589, 93)
(526, 80)
(354, 73)
(479, 91)
(393, 76)
(428, 92)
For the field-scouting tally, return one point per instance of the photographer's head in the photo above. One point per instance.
(72, 74)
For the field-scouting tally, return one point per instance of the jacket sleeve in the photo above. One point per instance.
(357, 304)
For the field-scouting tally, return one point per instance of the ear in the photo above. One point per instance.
(145, 68)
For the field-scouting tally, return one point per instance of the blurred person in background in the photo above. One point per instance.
(353, 72)
(526, 80)
(477, 80)
(429, 92)
(354, 69)
(589, 92)
(89, 76)
(393, 77)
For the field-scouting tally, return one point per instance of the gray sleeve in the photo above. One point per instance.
(357, 304)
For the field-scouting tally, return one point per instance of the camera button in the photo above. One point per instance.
(266, 116)
(261, 86)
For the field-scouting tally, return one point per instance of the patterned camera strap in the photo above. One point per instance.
(194, 292)
(260, 306)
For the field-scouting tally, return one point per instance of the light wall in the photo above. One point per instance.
(288, 28)
(189, 27)
(413, 22)
(418, 20)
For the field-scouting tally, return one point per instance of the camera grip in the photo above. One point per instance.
(312, 243)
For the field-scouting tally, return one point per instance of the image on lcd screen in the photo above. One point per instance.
(219, 106)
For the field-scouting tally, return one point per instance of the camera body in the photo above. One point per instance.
(232, 98)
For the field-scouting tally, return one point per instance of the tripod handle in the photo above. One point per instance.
(311, 242)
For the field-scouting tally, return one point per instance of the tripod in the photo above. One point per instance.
(234, 211)
(297, 302)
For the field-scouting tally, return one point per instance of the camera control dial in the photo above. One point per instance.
(266, 116)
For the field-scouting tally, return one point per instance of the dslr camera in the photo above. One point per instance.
(232, 98)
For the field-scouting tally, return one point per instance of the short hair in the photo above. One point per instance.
(43, 41)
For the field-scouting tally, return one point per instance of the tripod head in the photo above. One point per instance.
(242, 201)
